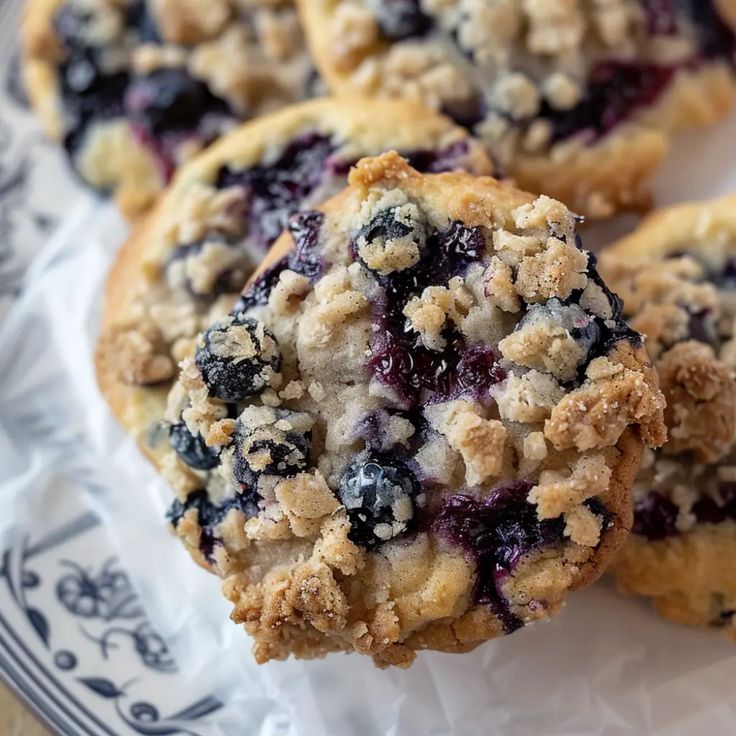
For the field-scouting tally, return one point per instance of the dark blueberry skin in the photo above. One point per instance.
(305, 258)
(399, 359)
(726, 279)
(615, 91)
(401, 19)
(256, 295)
(210, 516)
(228, 378)
(655, 517)
(384, 226)
(368, 489)
(289, 453)
(436, 162)
(275, 191)
(715, 37)
(88, 93)
(192, 449)
(708, 511)
(496, 533)
(168, 100)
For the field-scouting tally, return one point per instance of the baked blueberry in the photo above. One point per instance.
(209, 516)
(379, 494)
(270, 442)
(192, 448)
(168, 100)
(497, 533)
(305, 259)
(237, 357)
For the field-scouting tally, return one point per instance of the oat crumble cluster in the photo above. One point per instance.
(677, 275)
(186, 265)
(135, 87)
(418, 427)
(544, 83)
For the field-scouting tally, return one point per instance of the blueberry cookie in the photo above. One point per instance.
(677, 274)
(418, 427)
(574, 98)
(188, 261)
(134, 87)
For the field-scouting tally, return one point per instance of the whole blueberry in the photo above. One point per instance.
(236, 357)
(270, 442)
(192, 448)
(655, 517)
(169, 99)
(379, 494)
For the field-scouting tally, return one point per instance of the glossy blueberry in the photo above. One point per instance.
(435, 162)
(305, 259)
(400, 19)
(192, 449)
(379, 493)
(209, 515)
(496, 533)
(654, 517)
(268, 448)
(276, 190)
(170, 99)
(236, 357)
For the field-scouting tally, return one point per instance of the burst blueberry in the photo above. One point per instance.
(497, 533)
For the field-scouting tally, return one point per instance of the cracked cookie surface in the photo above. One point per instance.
(187, 262)
(394, 460)
(132, 88)
(575, 98)
(677, 275)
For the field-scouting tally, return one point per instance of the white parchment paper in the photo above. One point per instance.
(607, 665)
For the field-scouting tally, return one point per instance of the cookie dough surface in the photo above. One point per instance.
(574, 99)
(187, 262)
(418, 427)
(132, 88)
(677, 275)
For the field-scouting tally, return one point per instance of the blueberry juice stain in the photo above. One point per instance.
(400, 360)
(496, 533)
